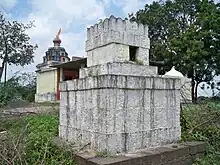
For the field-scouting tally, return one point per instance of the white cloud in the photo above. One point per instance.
(129, 6)
(69, 9)
(7, 4)
(107, 2)
(50, 15)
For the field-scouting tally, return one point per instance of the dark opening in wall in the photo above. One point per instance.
(66, 78)
(132, 53)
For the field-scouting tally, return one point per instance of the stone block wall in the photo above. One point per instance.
(118, 68)
(118, 113)
(45, 97)
(116, 30)
(109, 41)
(109, 53)
(186, 96)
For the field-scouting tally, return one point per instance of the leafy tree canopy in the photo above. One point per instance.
(186, 34)
(15, 47)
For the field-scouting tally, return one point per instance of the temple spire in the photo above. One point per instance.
(57, 40)
(58, 34)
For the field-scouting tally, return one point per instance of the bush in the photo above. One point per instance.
(8, 91)
(201, 122)
(35, 146)
(18, 87)
(32, 136)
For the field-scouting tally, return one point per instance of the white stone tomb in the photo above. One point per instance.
(119, 103)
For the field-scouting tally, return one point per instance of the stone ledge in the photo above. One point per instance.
(121, 82)
(108, 134)
(45, 97)
(112, 36)
(119, 25)
(118, 68)
(184, 153)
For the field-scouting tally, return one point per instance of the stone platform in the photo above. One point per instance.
(120, 104)
(173, 154)
(120, 113)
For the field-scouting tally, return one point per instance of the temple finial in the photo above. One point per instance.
(57, 40)
(58, 34)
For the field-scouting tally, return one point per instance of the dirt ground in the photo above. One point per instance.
(21, 108)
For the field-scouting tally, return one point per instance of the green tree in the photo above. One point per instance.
(14, 43)
(27, 87)
(184, 33)
(21, 86)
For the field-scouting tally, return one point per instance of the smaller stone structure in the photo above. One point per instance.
(185, 93)
(45, 97)
(117, 40)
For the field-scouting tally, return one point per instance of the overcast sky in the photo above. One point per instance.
(72, 16)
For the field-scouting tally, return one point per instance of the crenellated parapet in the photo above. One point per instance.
(117, 30)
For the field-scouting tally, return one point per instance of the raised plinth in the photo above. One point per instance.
(117, 68)
(185, 153)
(45, 97)
(118, 113)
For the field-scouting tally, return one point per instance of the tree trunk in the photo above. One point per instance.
(213, 92)
(194, 90)
(3, 67)
(5, 71)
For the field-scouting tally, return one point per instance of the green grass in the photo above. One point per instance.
(37, 135)
(201, 122)
(48, 104)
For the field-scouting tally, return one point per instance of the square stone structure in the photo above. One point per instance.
(119, 103)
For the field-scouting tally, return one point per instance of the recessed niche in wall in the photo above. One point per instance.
(133, 53)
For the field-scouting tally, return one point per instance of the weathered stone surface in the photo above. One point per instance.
(195, 147)
(165, 155)
(109, 53)
(110, 41)
(124, 82)
(118, 69)
(113, 36)
(117, 106)
(116, 30)
(120, 113)
(185, 91)
(46, 97)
